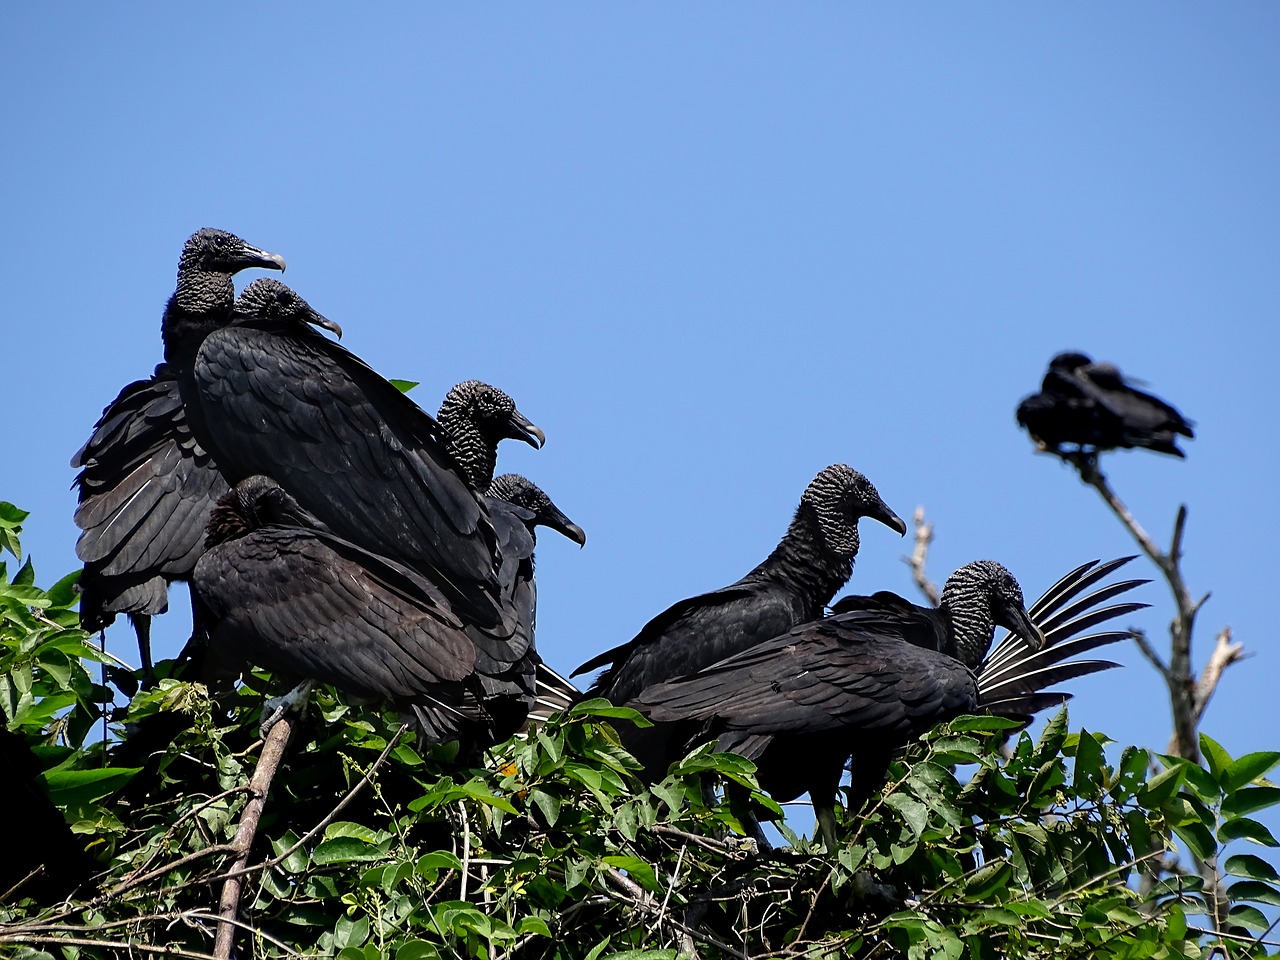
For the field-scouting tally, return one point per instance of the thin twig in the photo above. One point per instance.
(259, 785)
(1149, 651)
(338, 808)
(466, 849)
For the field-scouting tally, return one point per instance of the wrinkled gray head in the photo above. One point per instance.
(253, 503)
(269, 299)
(490, 411)
(217, 251)
(979, 597)
(522, 492)
(839, 496)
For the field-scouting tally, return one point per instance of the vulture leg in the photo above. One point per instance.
(142, 627)
(277, 707)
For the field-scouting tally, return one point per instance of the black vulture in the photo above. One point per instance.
(145, 486)
(863, 682)
(793, 585)
(1093, 406)
(283, 592)
(269, 395)
(532, 508)
(474, 418)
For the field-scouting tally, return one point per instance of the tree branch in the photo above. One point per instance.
(920, 555)
(259, 785)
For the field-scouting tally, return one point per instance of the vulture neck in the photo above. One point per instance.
(202, 303)
(970, 625)
(814, 558)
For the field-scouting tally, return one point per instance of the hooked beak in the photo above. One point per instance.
(881, 512)
(553, 518)
(318, 320)
(1015, 617)
(253, 257)
(519, 427)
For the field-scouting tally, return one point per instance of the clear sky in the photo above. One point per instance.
(709, 250)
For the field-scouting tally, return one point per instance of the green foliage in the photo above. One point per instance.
(986, 842)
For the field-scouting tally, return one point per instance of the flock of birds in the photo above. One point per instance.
(331, 530)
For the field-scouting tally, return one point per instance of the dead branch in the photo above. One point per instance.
(920, 555)
(259, 785)
(1224, 654)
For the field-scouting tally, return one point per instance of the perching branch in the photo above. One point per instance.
(1177, 671)
(259, 785)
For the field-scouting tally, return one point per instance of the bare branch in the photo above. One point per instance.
(920, 555)
(259, 785)
(1150, 652)
(1224, 654)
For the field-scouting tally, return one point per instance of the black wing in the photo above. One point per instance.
(351, 448)
(1013, 679)
(921, 626)
(316, 606)
(693, 634)
(850, 672)
(146, 489)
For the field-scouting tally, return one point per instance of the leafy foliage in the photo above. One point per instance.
(986, 842)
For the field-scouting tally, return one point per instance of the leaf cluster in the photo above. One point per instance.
(985, 842)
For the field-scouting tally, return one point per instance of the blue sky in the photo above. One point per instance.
(709, 251)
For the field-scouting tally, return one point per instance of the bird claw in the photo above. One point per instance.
(275, 708)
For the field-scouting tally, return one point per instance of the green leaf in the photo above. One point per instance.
(439, 860)
(417, 950)
(1161, 787)
(532, 925)
(1087, 778)
(1242, 828)
(548, 803)
(11, 517)
(977, 724)
(26, 575)
(1198, 838)
(983, 884)
(1249, 768)
(912, 811)
(349, 933)
(344, 828)
(1217, 757)
(1255, 892)
(1251, 868)
(1249, 917)
(478, 791)
(1201, 782)
(345, 850)
(69, 788)
(297, 861)
(600, 707)
(404, 386)
(1250, 799)
(1052, 736)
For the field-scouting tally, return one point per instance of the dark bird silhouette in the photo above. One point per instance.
(145, 486)
(283, 592)
(798, 579)
(863, 682)
(1095, 408)
(474, 418)
(530, 507)
(268, 394)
